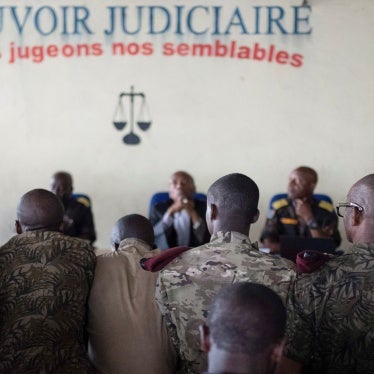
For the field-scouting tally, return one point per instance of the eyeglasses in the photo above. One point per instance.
(341, 207)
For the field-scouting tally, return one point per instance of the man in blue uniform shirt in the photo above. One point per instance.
(300, 214)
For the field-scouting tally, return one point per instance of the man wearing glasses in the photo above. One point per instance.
(331, 316)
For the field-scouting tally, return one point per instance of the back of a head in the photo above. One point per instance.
(362, 192)
(235, 194)
(247, 318)
(132, 226)
(40, 209)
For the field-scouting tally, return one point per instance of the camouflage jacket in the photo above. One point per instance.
(45, 278)
(186, 286)
(331, 315)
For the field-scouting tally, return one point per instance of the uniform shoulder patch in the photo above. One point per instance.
(326, 205)
(84, 201)
(277, 204)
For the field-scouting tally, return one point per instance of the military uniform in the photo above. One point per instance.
(283, 220)
(331, 315)
(45, 279)
(186, 287)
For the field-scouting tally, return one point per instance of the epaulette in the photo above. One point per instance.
(277, 204)
(326, 205)
(83, 200)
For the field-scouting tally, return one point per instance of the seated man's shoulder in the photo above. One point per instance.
(241, 261)
(347, 273)
(72, 246)
(74, 241)
(279, 203)
(356, 260)
(193, 256)
(76, 208)
(325, 205)
(102, 251)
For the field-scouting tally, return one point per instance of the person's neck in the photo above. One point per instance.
(229, 228)
(221, 361)
(365, 235)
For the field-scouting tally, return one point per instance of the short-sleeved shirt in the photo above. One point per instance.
(126, 330)
(45, 278)
(283, 220)
(187, 285)
(331, 315)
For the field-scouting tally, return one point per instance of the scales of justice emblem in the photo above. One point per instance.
(120, 115)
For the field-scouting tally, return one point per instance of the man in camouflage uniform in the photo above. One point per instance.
(45, 278)
(300, 214)
(187, 285)
(331, 312)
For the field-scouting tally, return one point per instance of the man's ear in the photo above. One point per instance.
(18, 227)
(356, 217)
(277, 351)
(204, 338)
(256, 216)
(213, 212)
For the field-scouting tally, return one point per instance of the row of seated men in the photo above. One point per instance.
(145, 307)
(180, 220)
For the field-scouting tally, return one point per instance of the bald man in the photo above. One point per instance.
(126, 331)
(300, 214)
(187, 285)
(245, 330)
(180, 221)
(45, 278)
(332, 311)
(78, 218)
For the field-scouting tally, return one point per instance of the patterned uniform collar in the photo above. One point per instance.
(37, 234)
(230, 237)
(139, 244)
(361, 248)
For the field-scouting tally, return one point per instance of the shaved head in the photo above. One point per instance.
(362, 192)
(132, 226)
(40, 209)
(246, 318)
(236, 196)
(359, 226)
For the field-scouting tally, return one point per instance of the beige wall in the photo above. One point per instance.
(211, 116)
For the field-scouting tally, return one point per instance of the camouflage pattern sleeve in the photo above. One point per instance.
(331, 318)
(299, 321)
(162, 301)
